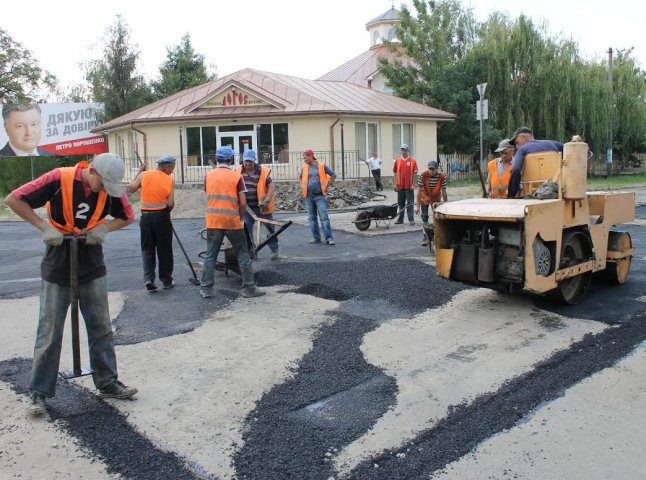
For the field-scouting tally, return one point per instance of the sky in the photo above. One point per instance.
(303, 38)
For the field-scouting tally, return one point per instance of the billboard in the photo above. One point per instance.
(46, 129)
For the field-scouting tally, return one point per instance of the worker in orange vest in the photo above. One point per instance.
(157, 201)
(78, 199)
(226, 207)
(316, 178)
(499, 170)
(431, 189)
(260, 195)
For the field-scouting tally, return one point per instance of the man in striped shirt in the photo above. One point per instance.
(431, 188)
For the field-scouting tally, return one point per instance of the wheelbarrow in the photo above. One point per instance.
(381, 214)
(230, 257)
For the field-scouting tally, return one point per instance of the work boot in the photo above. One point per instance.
(274, 255)
(314, 240)
(250, 292)
(424, 242)
(399, 222)
(117, 390)
(150, 286)
(37, 405)
(206, 292)
(171, 284)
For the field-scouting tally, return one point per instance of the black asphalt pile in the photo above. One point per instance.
(102, 430)
(290, 199)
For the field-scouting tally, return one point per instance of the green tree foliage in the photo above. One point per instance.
(113, 78)
(533, 79)
(183, 68)
(438, 41)
(21, 78)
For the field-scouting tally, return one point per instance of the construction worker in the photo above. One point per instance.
(525, 143)
(316, 178)
(226, 207)
(157, 201)
(499, 170)
(405, 169)
(431, 188)
(260, 195)
(78, 199)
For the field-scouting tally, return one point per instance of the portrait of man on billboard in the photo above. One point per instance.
(23, 126)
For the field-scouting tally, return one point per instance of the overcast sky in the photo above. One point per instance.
(303, 38)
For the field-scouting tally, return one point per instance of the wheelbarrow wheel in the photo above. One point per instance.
(362, 222)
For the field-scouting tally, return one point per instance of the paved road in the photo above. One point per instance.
(360, 362)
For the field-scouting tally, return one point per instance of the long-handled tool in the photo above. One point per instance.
(76, 370)
(193, 280)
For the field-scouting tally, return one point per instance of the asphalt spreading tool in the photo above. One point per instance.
(193, 280)
(230, 257)
(76, 370)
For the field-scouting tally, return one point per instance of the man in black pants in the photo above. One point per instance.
(157, 201)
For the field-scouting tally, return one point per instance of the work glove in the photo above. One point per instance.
(51, 236)
(96, 236)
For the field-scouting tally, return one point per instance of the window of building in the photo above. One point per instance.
(132, 145)
(273, 142)
(366, 141)
(402, 133)
(391, 34)
(375, 37)
(200, 145)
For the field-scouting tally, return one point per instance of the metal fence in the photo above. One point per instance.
(459, 167)
(634, 165)
(346, 165)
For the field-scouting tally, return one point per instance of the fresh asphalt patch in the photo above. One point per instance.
(467, 425)
(102, 431)
(334, 396)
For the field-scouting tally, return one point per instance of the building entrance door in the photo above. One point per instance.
(239, 141)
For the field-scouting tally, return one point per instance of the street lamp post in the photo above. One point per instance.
(481, 115)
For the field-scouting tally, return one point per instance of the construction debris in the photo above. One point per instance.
(290, 198)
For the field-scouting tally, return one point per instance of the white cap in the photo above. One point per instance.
(111, 169)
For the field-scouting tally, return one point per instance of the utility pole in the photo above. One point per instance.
(611, 112)
(482, 113)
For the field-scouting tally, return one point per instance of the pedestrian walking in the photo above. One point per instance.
(78, 199)
(226, 207)
(157, 201)
(260, 195)
(316, 178)
(405, 169)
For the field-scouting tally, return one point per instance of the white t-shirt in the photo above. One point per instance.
(374, 162)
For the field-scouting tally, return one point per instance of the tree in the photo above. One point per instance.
(438, 41)
(533, 79)
(113, 78)
(21, 78)
(182, 69)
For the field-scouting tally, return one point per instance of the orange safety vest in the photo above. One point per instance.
(223, 206)
(398, 168)
(156, 187)
(262, 188)
(322, 176)
(428, 196)
(67, 190)
(498, 184)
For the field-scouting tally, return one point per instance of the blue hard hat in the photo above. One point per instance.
(250, 155)
(224, 153)
(404, 146)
